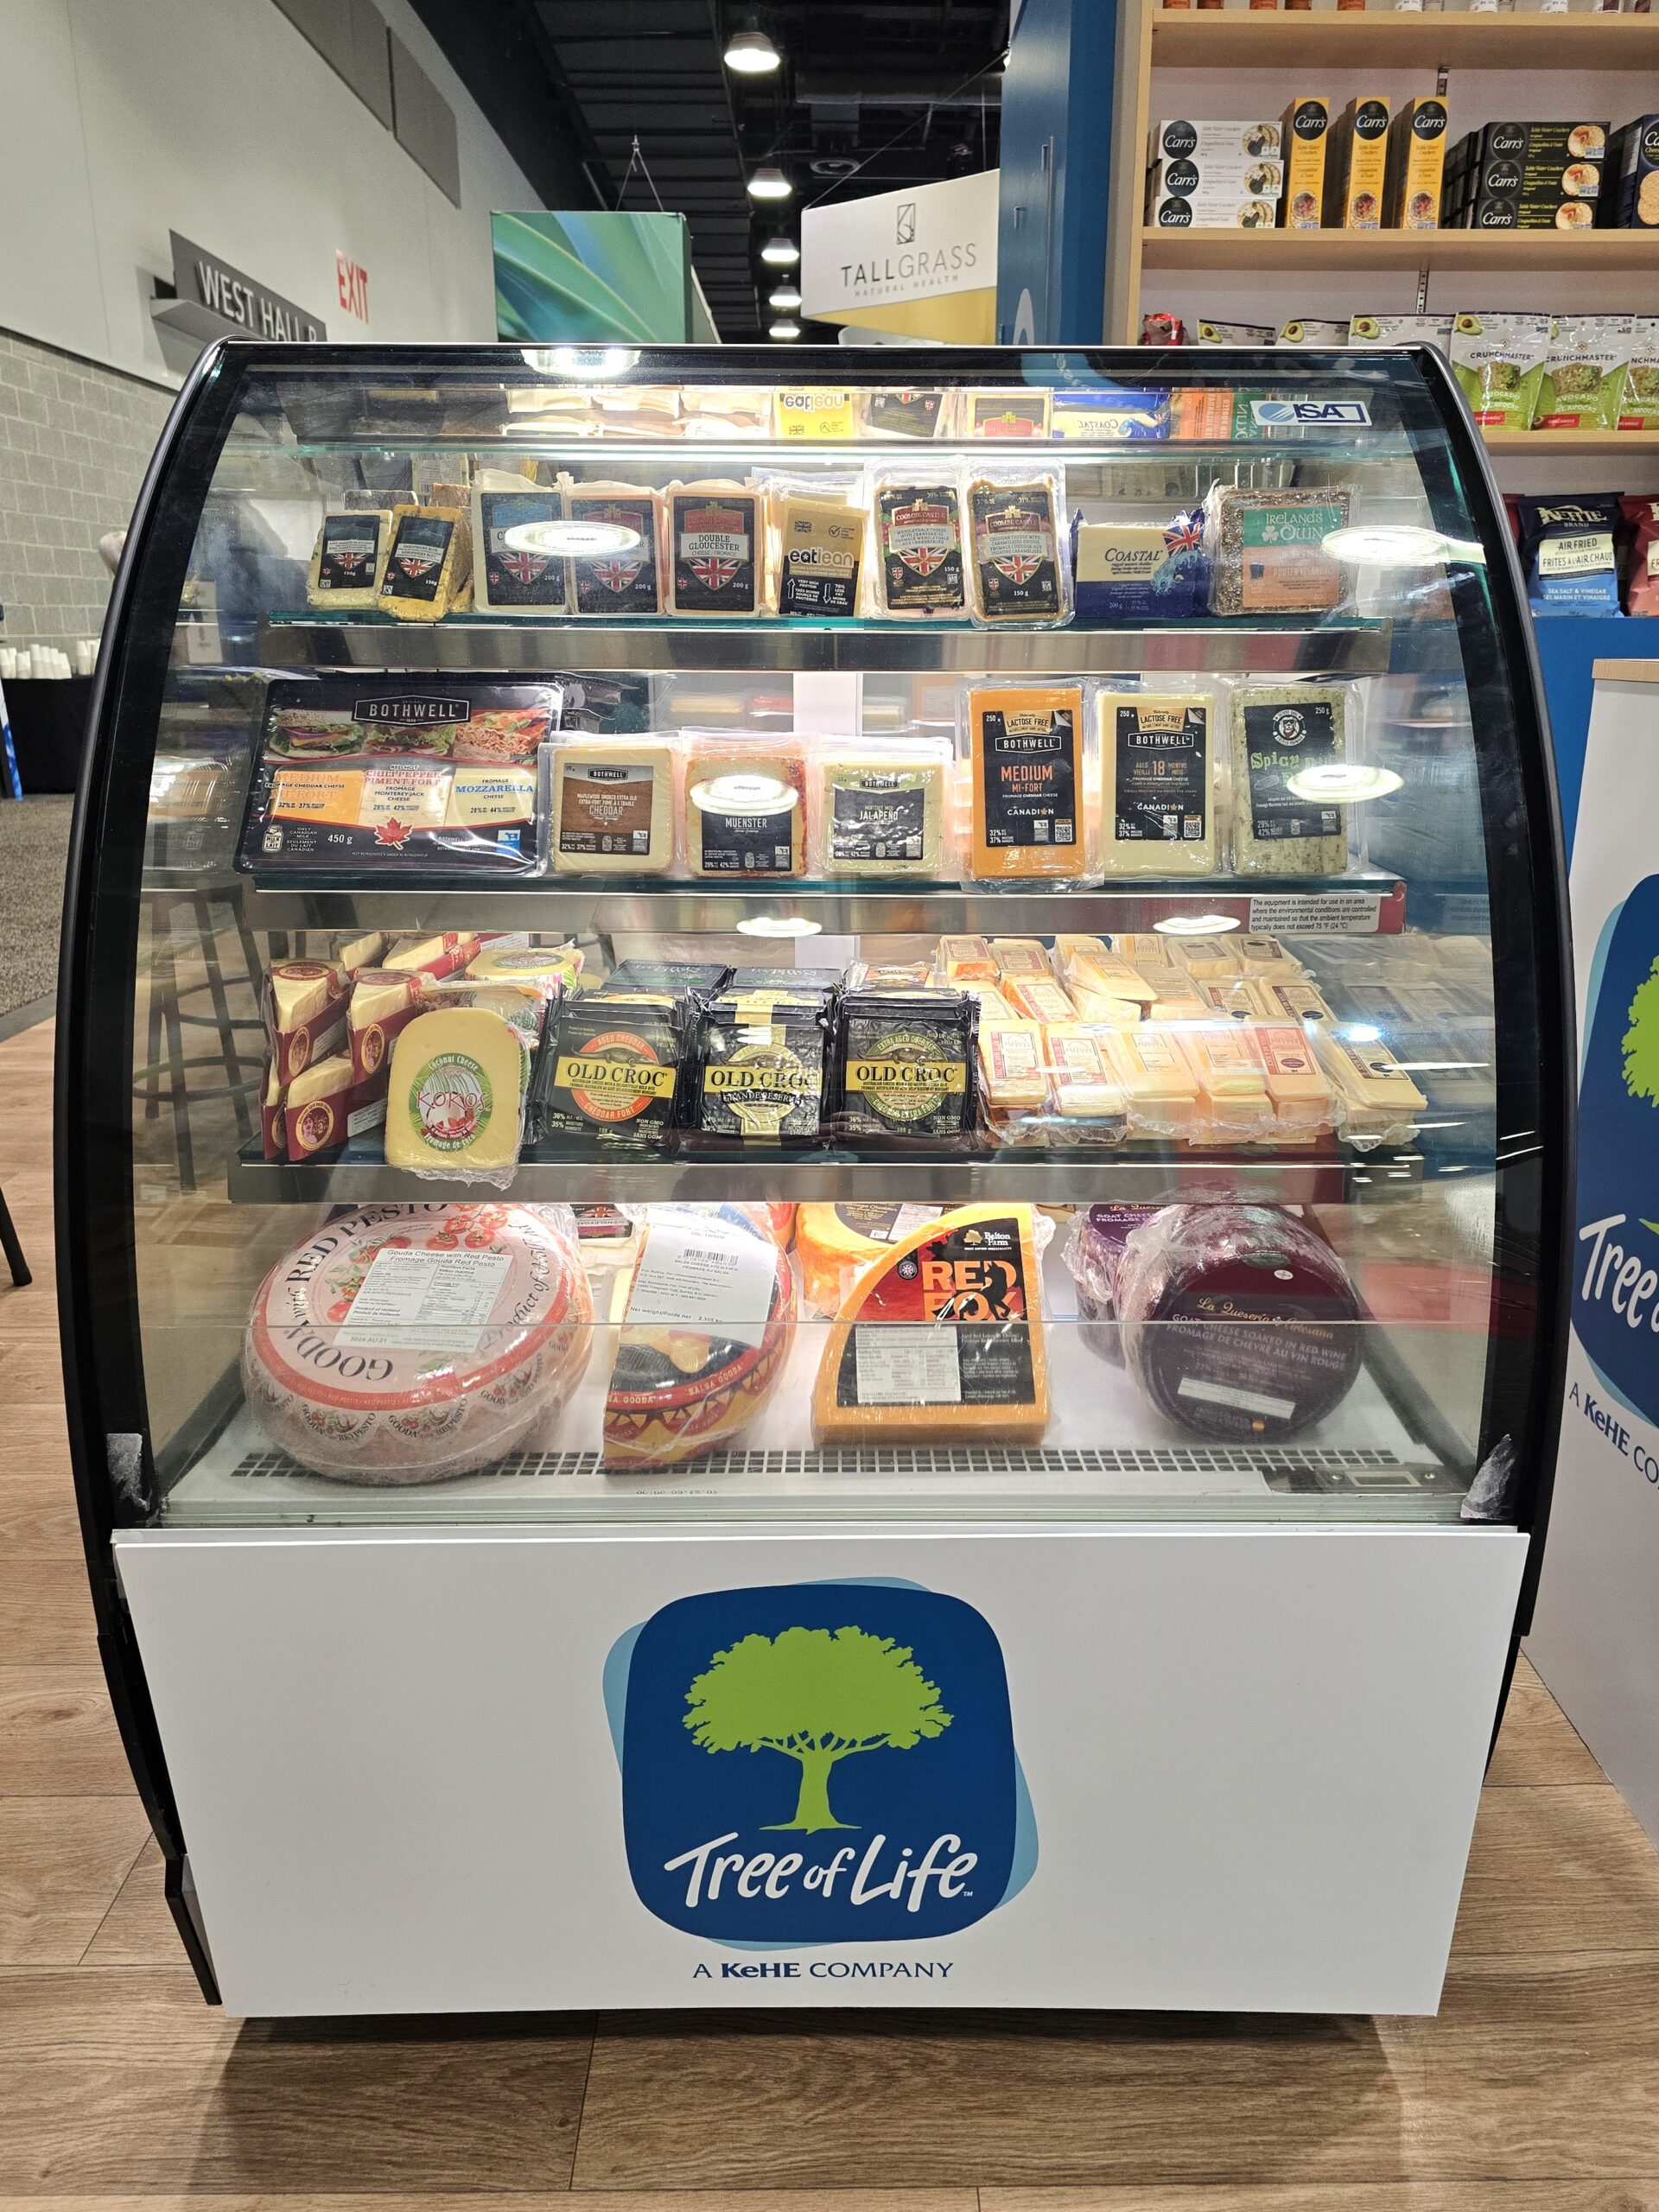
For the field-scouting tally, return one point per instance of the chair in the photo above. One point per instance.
(13, 1250)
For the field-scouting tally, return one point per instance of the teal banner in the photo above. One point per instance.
(579, 275)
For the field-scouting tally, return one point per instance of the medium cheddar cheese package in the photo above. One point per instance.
(1031, 776)
(941, 1337)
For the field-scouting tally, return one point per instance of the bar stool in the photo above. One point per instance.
(166, 1074)
(12, 1249)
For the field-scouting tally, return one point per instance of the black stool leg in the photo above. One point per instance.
(207, 943)
(12, 1249)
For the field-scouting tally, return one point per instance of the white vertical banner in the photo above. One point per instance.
(895, 247)
(1595, 1638)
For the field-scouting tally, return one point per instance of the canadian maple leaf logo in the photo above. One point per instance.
(392, 832)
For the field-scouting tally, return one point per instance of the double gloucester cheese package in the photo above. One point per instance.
(1019, 570)
(407, 1343)
(369, 775)
(714, 549)
(941, 1338)
(1033, 811)
(705, 1335)
(613, 806)
(1159, 816)
(920, 569)
(455, 1096)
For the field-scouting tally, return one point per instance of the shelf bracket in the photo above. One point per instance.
(1422, 290)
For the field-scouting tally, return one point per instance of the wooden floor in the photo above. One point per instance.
(1537, 2087)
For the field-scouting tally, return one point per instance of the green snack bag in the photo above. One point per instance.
(1584, 373)
(1498, 360)
(1638, 407)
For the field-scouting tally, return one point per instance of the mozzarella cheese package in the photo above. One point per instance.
(941, 1338)
(745, 810)
(613, 802)
(1159, 815)
(348, 561)
(880, 808)
(405, 1344)
(455, 1099)
(429, 566)
(1030, 770)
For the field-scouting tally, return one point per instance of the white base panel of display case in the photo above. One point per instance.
(461, 1770)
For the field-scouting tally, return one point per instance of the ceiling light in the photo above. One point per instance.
(786, 298)
(787, 328)
(581, 360)
(752, 54)
(1196, 924)
(769, 184)
(780, 252)
(1341, 783)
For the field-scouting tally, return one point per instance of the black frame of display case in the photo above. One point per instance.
(114, 1467)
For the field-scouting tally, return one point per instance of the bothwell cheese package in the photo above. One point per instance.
(1031, 769)
(941, 1337)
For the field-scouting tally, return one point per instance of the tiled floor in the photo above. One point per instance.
(1536, 2090)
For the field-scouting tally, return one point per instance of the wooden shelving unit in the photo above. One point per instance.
(1211, 38)
(1576, 441)
(1454, 250)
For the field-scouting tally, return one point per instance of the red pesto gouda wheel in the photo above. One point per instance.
(416, 1409)
(1238, 1321)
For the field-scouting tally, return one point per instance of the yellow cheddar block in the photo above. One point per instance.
(1301, 1096)
(1375, 1098)
(453, 1100)
(1011, 1065)
(1161, 1090)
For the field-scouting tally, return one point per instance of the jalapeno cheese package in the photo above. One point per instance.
(918, 564)
(622, 574)
(1158, 818)
(1018, 558)
(1287, 741)
(616, 1069)
(714, 547)
(758, 1069)
(881, 809)
(745, 812)
(1033, 779)
(907, 1071)
(348, 561)
(429, 564)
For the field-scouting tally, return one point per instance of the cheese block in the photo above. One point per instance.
(1159, 815)
(1104, 971)
(613, 806)
(1013, 1074)
(1295, 1001)
(1145, 950)
(1161, 1090)
(1235, 994)
(429, 564)
(624, 573)
(705, 1337)
(715, 549)
(1282, 735)
(819, 554)
(1071, 946)
(881, 810)
(1017, 956)
(431, 956)
(995, 1010)
(1033, 814)
(941, 1338)
(348, 561)
(1301, 1098)
(1376, 1099)
(407, 1343)
(1083, 1079)
(1018, 571)
(966, 960)
(1101, 1006)
(1041, 998)
(745, 812)
(453, 1101)
(1207, 959)
(919, 567)
(317, 1108)
(356, 950)
(304, 1009)
(835, 1243)
(1261, 955)
(616, 1068)
(801, 416)
(1233, 1101)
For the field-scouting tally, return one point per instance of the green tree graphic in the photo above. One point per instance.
(1641, 1039)
(818, 1695)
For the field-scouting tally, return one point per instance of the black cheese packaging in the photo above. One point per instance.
(758, 1065)
(906, 1072)
(1019, 566)
(348, 561)
(715, 542)
(366, 775)
(615, 1069)
(428, 567)
(919, 569)
(520, 568)
(619, 568)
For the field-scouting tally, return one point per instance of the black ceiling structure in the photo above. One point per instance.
(628, 103)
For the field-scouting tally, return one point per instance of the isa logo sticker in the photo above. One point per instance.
(818, 1763)
(1616, 1273)
(1279, 414)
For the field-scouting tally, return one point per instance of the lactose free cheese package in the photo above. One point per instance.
(1035, 811)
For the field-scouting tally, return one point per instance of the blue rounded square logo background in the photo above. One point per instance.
(908, 1784)
(1618, 1154)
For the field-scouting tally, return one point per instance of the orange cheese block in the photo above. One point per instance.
(940, 1337)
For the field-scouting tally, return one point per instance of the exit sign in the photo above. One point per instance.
(352, 283)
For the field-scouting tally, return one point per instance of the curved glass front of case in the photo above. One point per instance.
(654, 942)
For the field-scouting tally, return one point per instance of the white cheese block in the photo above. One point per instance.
(613, 806)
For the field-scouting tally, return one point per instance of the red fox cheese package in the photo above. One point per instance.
(1236, 1321)
(404, 1344)
(704, 1337)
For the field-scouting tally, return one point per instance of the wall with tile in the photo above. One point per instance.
(74, 440)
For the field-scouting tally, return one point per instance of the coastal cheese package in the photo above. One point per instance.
(348, 561)
(518, 568)
(817, 532)
(1285, 738)
(882, 810)
(623, 574)
(429, 566)
(744, 812)
(1158, 757)
(1033, 784)
(612, 805)
(918, 568)
(455, 1097)
(941, 1337)
(715, 548)
(1019, 554)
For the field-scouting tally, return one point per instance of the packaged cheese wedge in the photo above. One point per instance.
(1376, 1101)
(1302, 1105)
(705, 1336)
(273, 1141)
(745, 808)
(429, 565)
(919, 569)
(455, 1100)
(1233, 1102)
(624, 572)
(1035, 812)
(431, 956)
(880, 808)
(1159, 815)
(303, 1002)
(716, 548)
(317, 1109)
(348, 561)
(1019, 957)
(835, 1243)
(1294, 1001)
(612, 806)
(408, 1344)
(1161, 1090)
(941, 1337)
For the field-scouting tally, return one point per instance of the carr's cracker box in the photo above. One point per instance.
(1411, 199)
(1305, 133)
(1630, 178)
(1357, 166)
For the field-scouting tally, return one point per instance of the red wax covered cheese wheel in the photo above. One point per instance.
(404, 1344)
(1236, 1321)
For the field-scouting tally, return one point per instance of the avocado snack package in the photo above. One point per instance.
(1499, 361)
(1584, 370)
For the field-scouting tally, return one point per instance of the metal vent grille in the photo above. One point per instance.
(1305, 1471)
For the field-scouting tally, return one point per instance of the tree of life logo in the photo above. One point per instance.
(818, 1763)
(1641, 1040)
(815, 1696)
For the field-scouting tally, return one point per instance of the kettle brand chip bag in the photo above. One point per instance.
(1568, 548)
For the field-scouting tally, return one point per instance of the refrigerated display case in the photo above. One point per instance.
(859, 1297)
